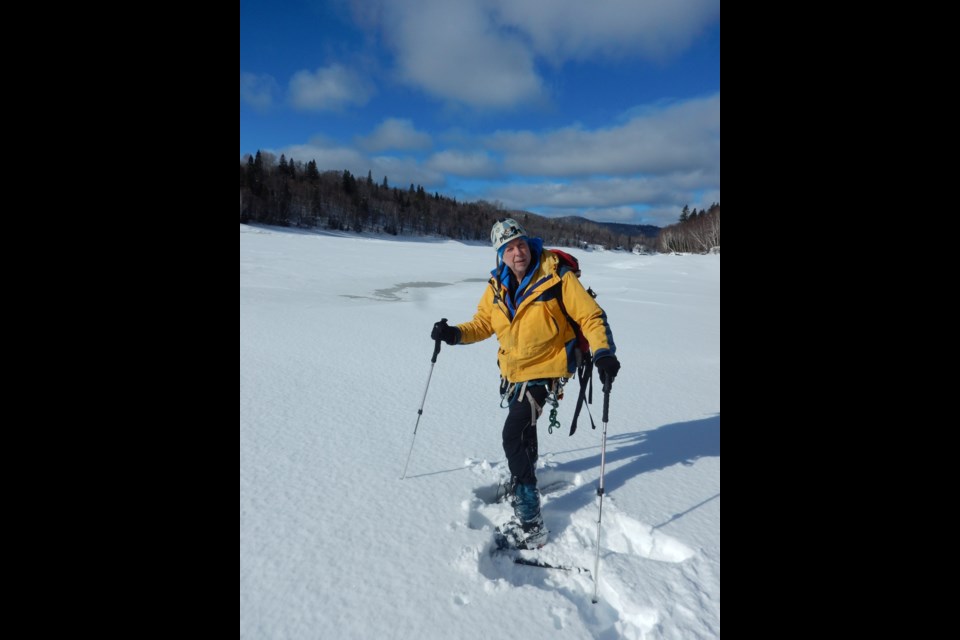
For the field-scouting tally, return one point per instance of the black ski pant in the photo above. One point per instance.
(520, 435)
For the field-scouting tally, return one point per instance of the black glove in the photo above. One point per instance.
(608, 366)
(443, 331)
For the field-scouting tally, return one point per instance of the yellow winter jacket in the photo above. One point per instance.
(536, 340)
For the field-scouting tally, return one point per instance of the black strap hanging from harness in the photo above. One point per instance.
(585, 373)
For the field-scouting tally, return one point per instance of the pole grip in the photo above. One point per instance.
(606, 401)
(436, 346)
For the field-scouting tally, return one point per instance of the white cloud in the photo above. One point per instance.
(472, 164)
(581, 194)
(257, 90)
(395, 133)
(656, 159)
(329, 88)
(657, 199)
(484, 53)
(679, 137)
(572, 29)
(452, 50)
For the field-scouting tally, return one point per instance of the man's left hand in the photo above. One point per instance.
(608, 366)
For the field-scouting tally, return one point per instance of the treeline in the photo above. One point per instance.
(290, 193)
(696, 232)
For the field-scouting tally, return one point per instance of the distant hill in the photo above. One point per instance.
(648, 230)
(573, 231)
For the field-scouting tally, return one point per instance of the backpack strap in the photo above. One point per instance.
(563, 309)
(584, 366)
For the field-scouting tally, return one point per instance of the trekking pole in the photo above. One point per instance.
(603, 464)
(433, 361)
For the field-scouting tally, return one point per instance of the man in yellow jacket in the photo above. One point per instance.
(523, 305)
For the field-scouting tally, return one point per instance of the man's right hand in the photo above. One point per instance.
(443, 331)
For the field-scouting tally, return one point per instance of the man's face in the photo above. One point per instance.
(517, 256)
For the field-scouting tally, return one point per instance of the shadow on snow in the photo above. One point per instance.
(632, 454)
(628, 456)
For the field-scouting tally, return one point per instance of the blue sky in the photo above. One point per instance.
(608, 110)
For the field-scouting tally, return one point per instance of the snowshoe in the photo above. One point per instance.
(522, 535)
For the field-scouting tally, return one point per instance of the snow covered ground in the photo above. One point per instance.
(334, 359)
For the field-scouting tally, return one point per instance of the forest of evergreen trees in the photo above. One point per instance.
(288, 193)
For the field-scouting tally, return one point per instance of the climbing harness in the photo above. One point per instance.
(510, 392)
